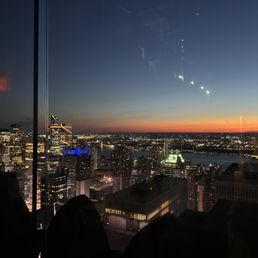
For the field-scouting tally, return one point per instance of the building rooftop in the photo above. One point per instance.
(146, 195)
(173, 158)
(241, 172)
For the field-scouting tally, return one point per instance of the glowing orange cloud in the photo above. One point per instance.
(4, 84)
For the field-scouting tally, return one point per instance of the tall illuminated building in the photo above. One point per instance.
(122, 163)
(156, 156)
(28, 149)
(201, 186)
(55, 180)
(16, 144)
(11, 145)
(207, 189)
(165, 149)
(55, 187)
(60, 136)
(144, 168)
(25, 185)
(5, 139)
(192, 183)
(95, 158)
(78, 161)
(83, 168)
(174, 165)
(70, 162)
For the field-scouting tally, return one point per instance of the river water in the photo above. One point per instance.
(224, 159)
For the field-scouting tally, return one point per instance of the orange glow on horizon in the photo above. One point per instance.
(198, 125)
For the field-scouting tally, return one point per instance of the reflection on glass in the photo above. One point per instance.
(147, 107)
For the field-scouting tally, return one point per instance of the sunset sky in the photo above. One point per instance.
(117, 65)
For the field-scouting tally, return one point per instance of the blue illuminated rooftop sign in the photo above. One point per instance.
(76, 151)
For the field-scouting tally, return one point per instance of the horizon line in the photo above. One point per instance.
(176, 132)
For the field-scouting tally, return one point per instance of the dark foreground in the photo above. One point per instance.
(228, 230)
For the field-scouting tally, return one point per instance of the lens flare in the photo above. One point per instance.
(4, 84)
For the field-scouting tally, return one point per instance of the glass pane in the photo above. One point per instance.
(147, 108)
(16, 55)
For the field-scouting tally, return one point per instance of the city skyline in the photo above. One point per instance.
(118, 66)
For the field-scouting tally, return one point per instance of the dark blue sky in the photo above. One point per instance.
(114, 65)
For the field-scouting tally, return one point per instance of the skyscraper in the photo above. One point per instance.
(201, 186)
(28, 149)
(16, 138)
(122, 163)
(79, 163)
(174, 165)
(60, 135)
(55, 187)
(144, 168)
(5, 138)
(156, 156)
